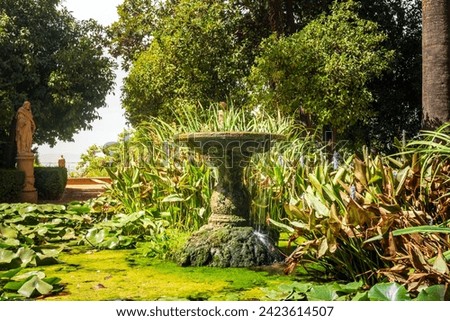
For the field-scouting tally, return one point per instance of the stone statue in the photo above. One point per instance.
(25, 128)
(62, 162)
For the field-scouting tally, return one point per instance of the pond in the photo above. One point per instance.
(125, 275)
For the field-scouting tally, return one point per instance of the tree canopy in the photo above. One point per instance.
(324, 69)
(56, 62)
(193, 57)
(183, 52)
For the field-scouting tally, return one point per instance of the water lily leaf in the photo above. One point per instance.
(388, 292)
(69, 234)
(42, 231)
(13, 285)
(42, 259)
(6, 256)
(26, 276)
(8, 232)
(295, 286)
(28, 209)
(52, 280)
(10, 243)
(10, 273)
(26, 255)
(51, 252)
(433, 293)
(352, 287)
(112, 243)
(361, 296)
(79, 208)
(95, 236)
(35, 286)
(323, 293)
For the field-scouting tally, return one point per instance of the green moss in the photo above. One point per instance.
(121, 275)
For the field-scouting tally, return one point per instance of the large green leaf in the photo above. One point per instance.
(282, 226)
(6, 256)
(388, 292)
(8, 243)
(34, 287)
(27, 256)
(10, 273)
(433, 293)
(13, 285)
(323, 293)
(26, 276)
(8, 232)
(95, 236)
(315, 203)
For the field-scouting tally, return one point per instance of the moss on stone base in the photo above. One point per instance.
(228, 247)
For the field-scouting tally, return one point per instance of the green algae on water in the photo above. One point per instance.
(123, 275)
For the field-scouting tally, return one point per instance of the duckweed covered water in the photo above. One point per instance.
(124, 275)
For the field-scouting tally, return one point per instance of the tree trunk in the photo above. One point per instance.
(435, 63)
(290, 23)
(276, 16)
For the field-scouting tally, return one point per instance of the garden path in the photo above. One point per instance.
(82, 189)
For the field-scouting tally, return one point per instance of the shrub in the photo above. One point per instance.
(50, 182)
(11, 184)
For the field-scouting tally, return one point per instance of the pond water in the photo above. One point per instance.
(125, 275)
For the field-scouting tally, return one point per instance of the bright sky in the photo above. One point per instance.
(112, 120)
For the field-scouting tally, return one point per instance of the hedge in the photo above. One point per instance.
(11, 184)
(50, 182)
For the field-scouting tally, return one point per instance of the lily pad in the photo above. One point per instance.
(388, 292)
(34, 287)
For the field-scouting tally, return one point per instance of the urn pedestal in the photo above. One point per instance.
(228, 240)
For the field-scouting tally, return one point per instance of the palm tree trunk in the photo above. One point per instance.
(435, 63)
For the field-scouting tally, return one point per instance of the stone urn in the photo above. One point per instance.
(228, 240)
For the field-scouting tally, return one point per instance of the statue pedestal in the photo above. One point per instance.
(25, 163)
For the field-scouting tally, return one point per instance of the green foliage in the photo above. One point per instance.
(373, 212)
(355, 291)
(324, 69)
(15, 286)
(34, 235)
(169, 181)
(192, 57)
(50, 182)
(94, 161)
(397, 104)
(11, 184)
(54, 61)
(391, 102)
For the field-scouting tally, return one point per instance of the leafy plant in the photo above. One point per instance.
(371, 212)
(356, 291)
(15, 286)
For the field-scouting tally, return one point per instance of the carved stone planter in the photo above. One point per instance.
(228, 239)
